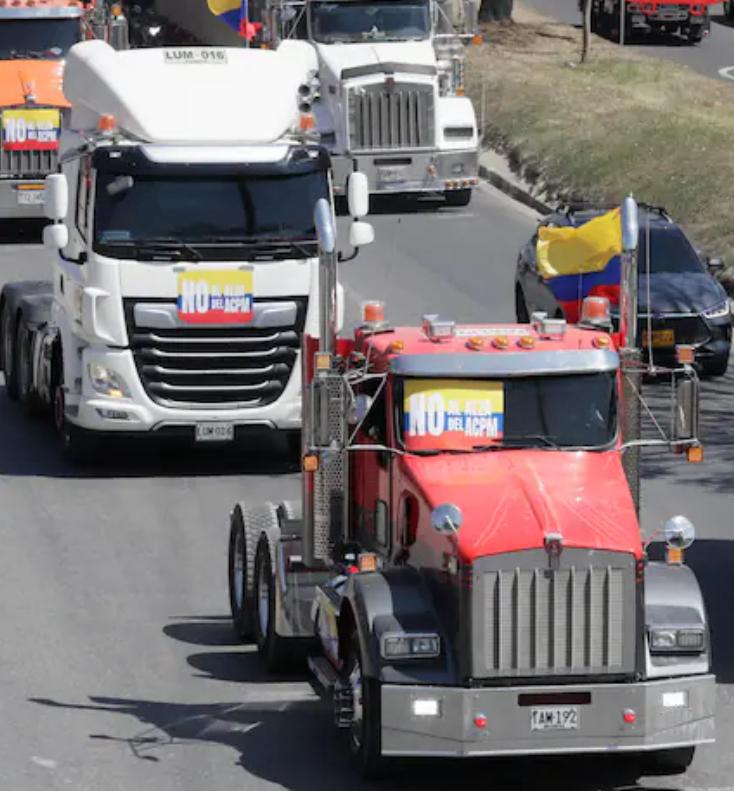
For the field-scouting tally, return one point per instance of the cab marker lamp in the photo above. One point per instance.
(676, 641)
(596, 311)
(107, 382)
(602, 342)
(396, 346)
(405, 645)
(526, 342)
(475, 343)
(373, 311)
(500, 342)
(107, 125)
(310, 463)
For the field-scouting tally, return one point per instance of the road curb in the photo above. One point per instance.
(513, 190)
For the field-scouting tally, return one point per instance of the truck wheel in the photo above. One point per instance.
(458, 199)
(273, 649)
(9, 353)
(78, 445)
(670, 762)
(364, 733)
(28, 397)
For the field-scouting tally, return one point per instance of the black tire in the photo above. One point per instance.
(716, 367)
(79, 446)
(695, 37)
(9, 353)
(521, 308)
(670, 762)
(459, 198)
(240, 572)
(26, 394)
(364, 734)
(273, 649)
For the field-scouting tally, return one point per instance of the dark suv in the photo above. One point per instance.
(687, 305)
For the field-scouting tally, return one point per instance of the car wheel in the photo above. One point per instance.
(10, 359)
(521, 307)
(716, 367)
(670, 762)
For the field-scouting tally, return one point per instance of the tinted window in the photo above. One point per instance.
(670, 251)
(211, 209)
(38, 38)
(349, 22)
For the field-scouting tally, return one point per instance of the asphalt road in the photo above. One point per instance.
(118, 668)
(713, 54)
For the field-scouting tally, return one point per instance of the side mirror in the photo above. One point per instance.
(361, 408)
(679, 532)
(56, 201)
(358, 195)
(685, 420)
(447, 519)
(55, 236)
(361, 234)
(324, 223)
(715, 265)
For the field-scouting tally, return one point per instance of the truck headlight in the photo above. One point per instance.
(718, 311)
(395, 645)
(676, 641)
(107, 382)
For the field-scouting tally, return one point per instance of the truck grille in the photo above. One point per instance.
(530, 620)
(399, 118)
(200, 366)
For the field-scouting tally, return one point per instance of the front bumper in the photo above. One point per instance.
(10, 199)
(140, 414)
(507, 732)
(406, 172)
(711, 343)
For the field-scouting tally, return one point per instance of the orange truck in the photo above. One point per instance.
(35, 36)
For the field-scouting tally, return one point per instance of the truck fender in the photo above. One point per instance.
(673, 598)
(379, 602)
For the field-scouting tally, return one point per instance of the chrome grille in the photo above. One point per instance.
(26, 163)
(397, 118)
(531, 620)
(190, 365)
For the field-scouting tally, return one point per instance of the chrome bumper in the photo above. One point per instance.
(602, 727)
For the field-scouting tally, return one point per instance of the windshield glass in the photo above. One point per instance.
(576, 411)
(213, 212)
(38, 38)
(356, 22)
(670, 251)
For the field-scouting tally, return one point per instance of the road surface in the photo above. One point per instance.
(118, 668)
(712, 57)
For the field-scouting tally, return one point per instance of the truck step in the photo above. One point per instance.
(324, 672)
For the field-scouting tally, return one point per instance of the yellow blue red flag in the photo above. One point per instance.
(236, 13)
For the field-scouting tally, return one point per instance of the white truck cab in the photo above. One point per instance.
(185, 260)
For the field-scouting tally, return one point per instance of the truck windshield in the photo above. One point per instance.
(208, 214)
(570, 411)
(38, 38)
(397, 20)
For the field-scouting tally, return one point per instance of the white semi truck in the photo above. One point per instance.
(388, 85)
(185, 259)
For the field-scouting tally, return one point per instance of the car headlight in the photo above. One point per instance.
(409, 646)
(676, 641)
(107, 382)
(718, 311)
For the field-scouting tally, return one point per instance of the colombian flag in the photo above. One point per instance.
(576, 262)
(236, 13)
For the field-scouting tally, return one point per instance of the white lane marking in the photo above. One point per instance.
(727, 73)
(44, 763)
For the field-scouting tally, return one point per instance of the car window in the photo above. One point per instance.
(670, 251)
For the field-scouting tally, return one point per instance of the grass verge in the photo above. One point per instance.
(621, 123)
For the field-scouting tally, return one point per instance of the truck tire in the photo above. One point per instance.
(246, 525)
(716, 367)
(365, 742)
(26, 392)
(78, 445)
(9, 354)
(669, 762)
(273, 649)
(459, 198)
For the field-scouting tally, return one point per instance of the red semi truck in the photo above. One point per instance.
(689, 18)
(467, 567)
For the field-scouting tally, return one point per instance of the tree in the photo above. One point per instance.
(495, 10)
(586, 40)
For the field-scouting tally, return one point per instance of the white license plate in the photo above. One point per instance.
(214, 431)
(550, 718)
(30, 197)
(390, 174)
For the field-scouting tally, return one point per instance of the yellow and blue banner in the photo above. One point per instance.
(31, 129)
(236, 14)
(452, 414)
(576, 262)
(216, 297)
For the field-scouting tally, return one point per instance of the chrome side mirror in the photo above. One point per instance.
(56, 199)
(358, 195)
(679, 532)
(360, 409)
(686, 407)
(55, 236)
(361, 234)
(447, 519)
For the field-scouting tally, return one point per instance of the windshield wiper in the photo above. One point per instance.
(305, 248)
(171, 245)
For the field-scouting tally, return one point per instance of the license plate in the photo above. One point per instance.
(30, 197)
(214, 431)
(550, 718)
(660, 338)
(390, 174)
